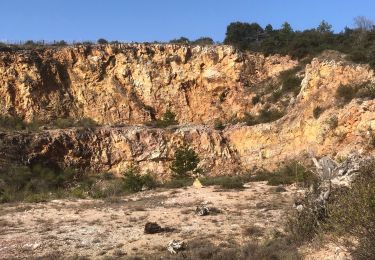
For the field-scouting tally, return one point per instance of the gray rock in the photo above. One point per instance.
(174, 246)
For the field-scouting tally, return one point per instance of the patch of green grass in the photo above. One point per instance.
(13, 123)
(68, 122)
(225, 182)
(292, 172)
(176, 183)
(40, 183)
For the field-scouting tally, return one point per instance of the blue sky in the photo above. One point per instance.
(162, 20)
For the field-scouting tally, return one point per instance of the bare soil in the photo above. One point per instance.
(114, 228)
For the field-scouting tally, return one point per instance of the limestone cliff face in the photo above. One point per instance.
(339, 130)
(132, 83)
(115, 149)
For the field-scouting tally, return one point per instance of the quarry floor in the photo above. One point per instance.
(105, 229)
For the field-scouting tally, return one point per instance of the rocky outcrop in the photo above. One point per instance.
(339, 130)
(134, 83)
(116, 148)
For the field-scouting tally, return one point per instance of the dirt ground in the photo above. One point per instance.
(102, 229)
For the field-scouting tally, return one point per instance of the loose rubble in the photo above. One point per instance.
(174, 246)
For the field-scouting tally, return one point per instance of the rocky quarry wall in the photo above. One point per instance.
(124, 86)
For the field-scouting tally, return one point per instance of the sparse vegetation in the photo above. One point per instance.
(218, 125)
(16, 123)
(345, 93)
(168, 119)
(269, 115)
(33, 183)
(317, 111)
(289, 80)
(277, 248)
(255, 100)
(133, 181)
(291, 172)
(41, 183)
(226, 182)
(349, 214)
(352, 212)
(332, 122)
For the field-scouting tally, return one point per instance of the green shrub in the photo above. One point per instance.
(133, 181)
(106, 189)
(203, 41)
(317, 112)
(68, 122)
(181, 40)
(175, 183)
(25, 183)
(352, 212)
(332, 122)
(225, 182)
(366, 90)
(185, 161)
(345, 93)
(86, 122)
(291, 172)
(249, 119)
(13, 123)
(255, 100)
(269, 115)
(218, 125)
(303, 225)
(168, 119)
(62, 123)
(290, 81)
(349, 213)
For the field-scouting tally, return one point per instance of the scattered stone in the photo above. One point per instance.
(153, 228)
(202, 210)
(175, 246)
(118, 253)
